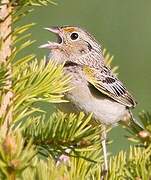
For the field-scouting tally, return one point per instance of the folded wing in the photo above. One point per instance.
(108, 84)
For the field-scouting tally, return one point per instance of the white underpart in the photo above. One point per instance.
(104, 110)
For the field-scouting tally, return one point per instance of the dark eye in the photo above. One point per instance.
(74, 36)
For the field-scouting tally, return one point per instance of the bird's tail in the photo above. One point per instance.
(132, 124)
(135, 123)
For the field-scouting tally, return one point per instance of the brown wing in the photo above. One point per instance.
(109, 85)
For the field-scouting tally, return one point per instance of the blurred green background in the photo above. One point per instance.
(123, 27)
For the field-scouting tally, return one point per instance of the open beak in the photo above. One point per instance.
(53, 45)
(53, 30)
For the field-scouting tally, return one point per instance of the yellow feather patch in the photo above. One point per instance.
(89, 72)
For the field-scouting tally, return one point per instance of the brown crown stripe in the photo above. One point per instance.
(69, 29)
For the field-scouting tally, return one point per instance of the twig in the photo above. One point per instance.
(5, 52)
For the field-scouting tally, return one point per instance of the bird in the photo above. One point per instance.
(95, 88)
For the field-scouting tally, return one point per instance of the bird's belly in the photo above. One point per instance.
(104, 109)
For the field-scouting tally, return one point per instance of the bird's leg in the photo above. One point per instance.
(104, 150)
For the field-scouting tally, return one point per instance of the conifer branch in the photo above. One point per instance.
(5, 52)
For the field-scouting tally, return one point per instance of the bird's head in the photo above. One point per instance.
(73, 44)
